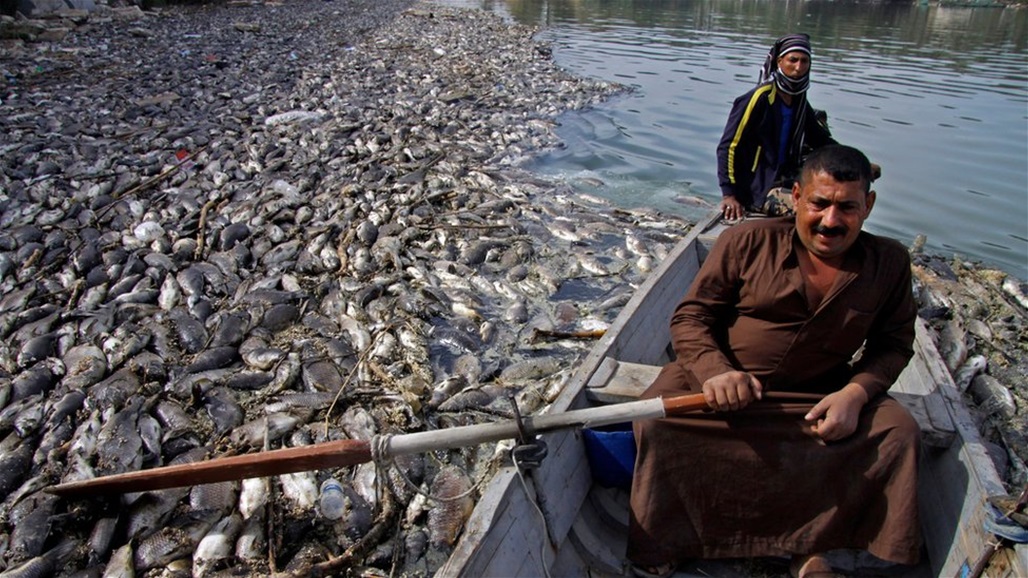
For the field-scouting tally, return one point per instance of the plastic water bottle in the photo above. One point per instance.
(331, 503)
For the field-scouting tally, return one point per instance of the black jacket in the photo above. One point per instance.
(747, 156)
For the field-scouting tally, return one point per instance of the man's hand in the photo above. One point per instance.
(731, 208)
(731, 391)
(836, 415)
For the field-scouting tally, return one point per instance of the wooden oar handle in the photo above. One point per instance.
(332, 454)
(684, 404)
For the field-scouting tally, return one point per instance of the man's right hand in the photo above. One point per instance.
(731, 391)
(732, 209)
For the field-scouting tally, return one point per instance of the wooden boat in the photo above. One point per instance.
(584, 533)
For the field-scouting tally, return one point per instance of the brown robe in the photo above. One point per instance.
(759, 482)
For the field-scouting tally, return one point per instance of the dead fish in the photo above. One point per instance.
(285, 375)
(364, 482)
(28, 420)
(360, 337)
(82, 450)
(53, 443)
(101, 538)
(300, 488)
(121, 564)
(321, 375)
(446, 389)
(66, 406)
(119, 447)
(213, 358)
(258, 356)
(30, 521)
(528, 369)
(172, 542)
(253, 497)
(45, 564)
(15, 461)
(170, 294)
(178, 568)
(358, 514)
(172, 416)
(85, 364)
(150, 434)
(191, 281)
(446, 519)
(219, 497)
(263, 430)
(39, 379)
(224, 410)
(966, 373)
(37, 349)
(468, 399)
(190, 331)
(516, 313)
(216, 546)
(635, 244)
(251, 545)
(314, 400)
(116, 389)
(358, 423)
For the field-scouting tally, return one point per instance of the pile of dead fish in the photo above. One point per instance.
(235, 228)
(978, 317)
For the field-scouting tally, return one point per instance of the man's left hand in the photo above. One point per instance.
(835, 416)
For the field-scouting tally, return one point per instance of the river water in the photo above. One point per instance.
(936, 95)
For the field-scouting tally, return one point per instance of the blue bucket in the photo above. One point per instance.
(611, 454)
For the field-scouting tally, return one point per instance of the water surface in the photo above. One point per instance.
(936, 95)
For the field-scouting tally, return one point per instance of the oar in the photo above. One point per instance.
(353, 452)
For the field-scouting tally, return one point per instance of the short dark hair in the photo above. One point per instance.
(844, 163)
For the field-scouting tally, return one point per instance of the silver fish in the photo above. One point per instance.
(121, 564)
(45, 564)
(101, 538)
(301, 489)
(263, 430)
(253, 497)
(171, 542)
(447, 517)
(216, 546)
(219, 497)
(251, 546)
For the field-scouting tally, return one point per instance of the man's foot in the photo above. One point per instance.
(662, 571)
(812, 566)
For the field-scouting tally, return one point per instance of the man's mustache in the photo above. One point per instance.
(830, 231)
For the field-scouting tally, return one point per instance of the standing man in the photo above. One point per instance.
(767, 132)
(826, 459)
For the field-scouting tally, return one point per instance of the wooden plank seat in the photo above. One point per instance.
(619, 381)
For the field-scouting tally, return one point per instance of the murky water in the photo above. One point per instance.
(937, 95)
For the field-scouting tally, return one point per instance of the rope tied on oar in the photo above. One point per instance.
(384, 461)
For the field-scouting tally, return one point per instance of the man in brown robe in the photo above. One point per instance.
(822, 458)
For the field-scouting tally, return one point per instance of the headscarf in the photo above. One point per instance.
(789, 43)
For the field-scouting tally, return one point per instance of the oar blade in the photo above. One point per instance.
(276, 462)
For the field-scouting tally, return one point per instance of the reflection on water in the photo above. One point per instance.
(938, 96)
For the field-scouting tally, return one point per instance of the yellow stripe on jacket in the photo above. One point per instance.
(758, 94)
